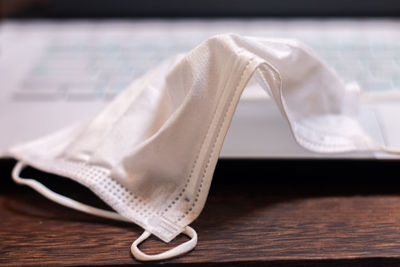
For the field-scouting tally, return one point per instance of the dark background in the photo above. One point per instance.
(207, 8)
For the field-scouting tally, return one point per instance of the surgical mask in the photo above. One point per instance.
(151, 153)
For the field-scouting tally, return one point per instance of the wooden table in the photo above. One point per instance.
(271, 212)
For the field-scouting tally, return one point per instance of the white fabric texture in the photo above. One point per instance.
(151, 153)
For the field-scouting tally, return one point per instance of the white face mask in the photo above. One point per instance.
(151, 153)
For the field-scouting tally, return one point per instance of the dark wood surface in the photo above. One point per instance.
(278, 213)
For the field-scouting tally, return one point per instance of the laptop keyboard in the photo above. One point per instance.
(375, 68)
(90, 70)
(85, 71)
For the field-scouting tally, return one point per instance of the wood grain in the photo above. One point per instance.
(249, 219)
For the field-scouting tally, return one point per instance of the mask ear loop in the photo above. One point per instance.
(60, 199)
(73, 204)
(176, 251)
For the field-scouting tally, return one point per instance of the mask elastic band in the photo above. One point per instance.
(60, 199)
(176, 251)
(73, 204)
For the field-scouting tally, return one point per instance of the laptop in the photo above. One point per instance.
(61, 63)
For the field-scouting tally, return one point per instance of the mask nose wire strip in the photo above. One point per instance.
(73, 204)
(60, 199)
(176, 251)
